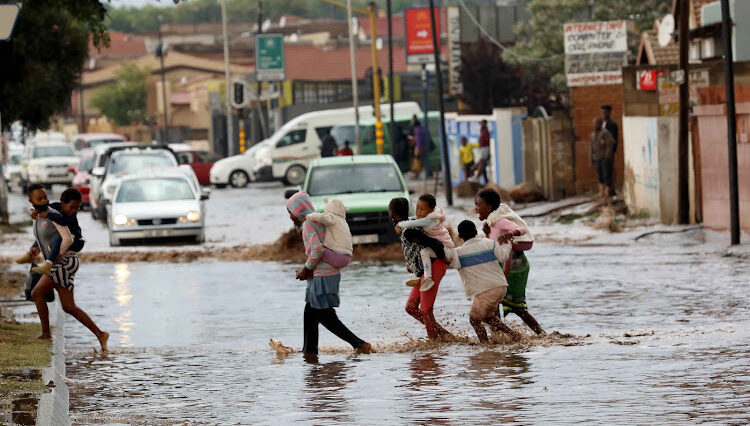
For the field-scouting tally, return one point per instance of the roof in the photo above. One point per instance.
(121, 45)
(654, 53)
(98, 136)
(114, 146)
(355, 159)
(154, 174)
(173, 60)
(381, 26)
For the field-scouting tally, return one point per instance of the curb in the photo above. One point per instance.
(54, 406)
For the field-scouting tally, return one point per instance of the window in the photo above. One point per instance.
(342, 134)
(184, 157)
(322, 131)
(87, 163)
(292, 138)
(133, 163)
(15, 159)
(354, 178)
(207, 157)
(53, 151)
(137, 191)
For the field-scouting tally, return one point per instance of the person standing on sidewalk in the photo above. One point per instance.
(466, 154)
(484, 152)
(322, 294)
(611, 126)
(602, 155)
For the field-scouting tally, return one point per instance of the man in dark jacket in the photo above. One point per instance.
(611, 126)
(329, 147)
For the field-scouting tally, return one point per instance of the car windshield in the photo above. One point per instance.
(354, 178)
(87, 163)
(53, 151)
(95, 142)
(156, 189)
(131, 163)
(15, 159)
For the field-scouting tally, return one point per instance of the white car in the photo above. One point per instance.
(126, 162)
(12, 168)
(48, 161)
(239, 170)
(157, 205)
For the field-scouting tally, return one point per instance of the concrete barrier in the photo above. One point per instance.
(54, 406)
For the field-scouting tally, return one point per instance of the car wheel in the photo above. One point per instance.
(100, 212)
(239, 179)
(113, 240)
(220, 185)
(295, 175)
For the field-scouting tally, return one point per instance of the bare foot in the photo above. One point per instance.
(103, 340)
(366, 348)
(45, 337)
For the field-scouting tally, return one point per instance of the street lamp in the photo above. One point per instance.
(160, 52)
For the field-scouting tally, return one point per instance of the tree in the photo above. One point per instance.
(487, 80)
(542, 36)
(43, 61)
(124, 100)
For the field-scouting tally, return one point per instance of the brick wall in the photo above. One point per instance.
(587, 102)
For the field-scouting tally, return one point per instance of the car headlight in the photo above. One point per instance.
(120, 220)
(193, 216)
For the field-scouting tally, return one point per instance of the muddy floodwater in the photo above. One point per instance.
(650, 334)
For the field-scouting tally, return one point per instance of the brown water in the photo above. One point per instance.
(668, 342)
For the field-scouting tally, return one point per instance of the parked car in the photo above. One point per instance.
(366, 184)
(91, 140)
(290, 150)
(125, 162)
(199, 160)
(82, 178)
(102, 153)
(158, 204)
(48, 161)
(239, 170)
(12, 168)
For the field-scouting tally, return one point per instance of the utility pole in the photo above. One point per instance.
(683, 195)
(261, 118)
(734, 205)
(443, 142)
(228, 86)
(82, 105)
(165, 138)
(390, 80)
(371, 9)
(353, 65)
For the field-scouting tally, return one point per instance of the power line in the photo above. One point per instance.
(497, 43)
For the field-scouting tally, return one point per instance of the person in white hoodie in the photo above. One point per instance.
(479, 262)
(337, 247)
(431, 219)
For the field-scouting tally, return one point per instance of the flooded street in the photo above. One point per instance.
(657, 334)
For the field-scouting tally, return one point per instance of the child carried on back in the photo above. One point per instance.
(64, 214)
(431, 219)
(337, 246)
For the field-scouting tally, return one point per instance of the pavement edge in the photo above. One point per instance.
(54, 406)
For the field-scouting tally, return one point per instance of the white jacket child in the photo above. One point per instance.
(338, 236)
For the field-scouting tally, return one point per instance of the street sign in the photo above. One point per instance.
(8, 15)
(269, 57)
(419, 49)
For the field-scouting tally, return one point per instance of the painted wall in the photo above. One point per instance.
(506, 143)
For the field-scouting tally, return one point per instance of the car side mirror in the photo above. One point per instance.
(289, 192)
(98, 171)
(205, 194)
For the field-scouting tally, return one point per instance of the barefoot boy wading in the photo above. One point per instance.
(322, 294)
(63, 271)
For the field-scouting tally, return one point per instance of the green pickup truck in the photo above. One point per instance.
(366, 184)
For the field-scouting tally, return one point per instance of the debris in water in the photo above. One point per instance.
(279, 347)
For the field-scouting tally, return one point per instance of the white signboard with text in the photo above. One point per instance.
(595, 52)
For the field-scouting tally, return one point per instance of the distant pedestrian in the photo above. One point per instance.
(322, 294)
(418, 142)
(329, 146)
(466, 155)
(480, 169)
(611, 126)
(602, 154)
(346, 150)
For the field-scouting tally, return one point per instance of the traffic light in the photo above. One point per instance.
(239, 100)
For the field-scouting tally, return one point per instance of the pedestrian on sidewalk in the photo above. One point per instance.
(490, 209)
(480, 169)
(63, 273)
(416, 140)
(322, 293)
(611, 126)
(466, 155)
(420, 303)
(602, 157)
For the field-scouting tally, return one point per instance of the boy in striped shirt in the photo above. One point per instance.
(479, 262)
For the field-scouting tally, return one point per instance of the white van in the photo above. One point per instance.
(298, 142)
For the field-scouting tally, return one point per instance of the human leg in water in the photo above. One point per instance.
(69, 306)
(420, 304)
(531, 322)
(330, 320)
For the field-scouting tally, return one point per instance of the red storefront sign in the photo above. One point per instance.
(419, 49)
(649, 79)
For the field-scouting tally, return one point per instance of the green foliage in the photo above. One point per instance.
(42, 63)
(488, 81)
(124, 100)
(542, 36)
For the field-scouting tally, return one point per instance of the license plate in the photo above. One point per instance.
(155, 233)
(365, 239)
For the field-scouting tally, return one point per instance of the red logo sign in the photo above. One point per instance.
(649, 79)
(419, 48)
